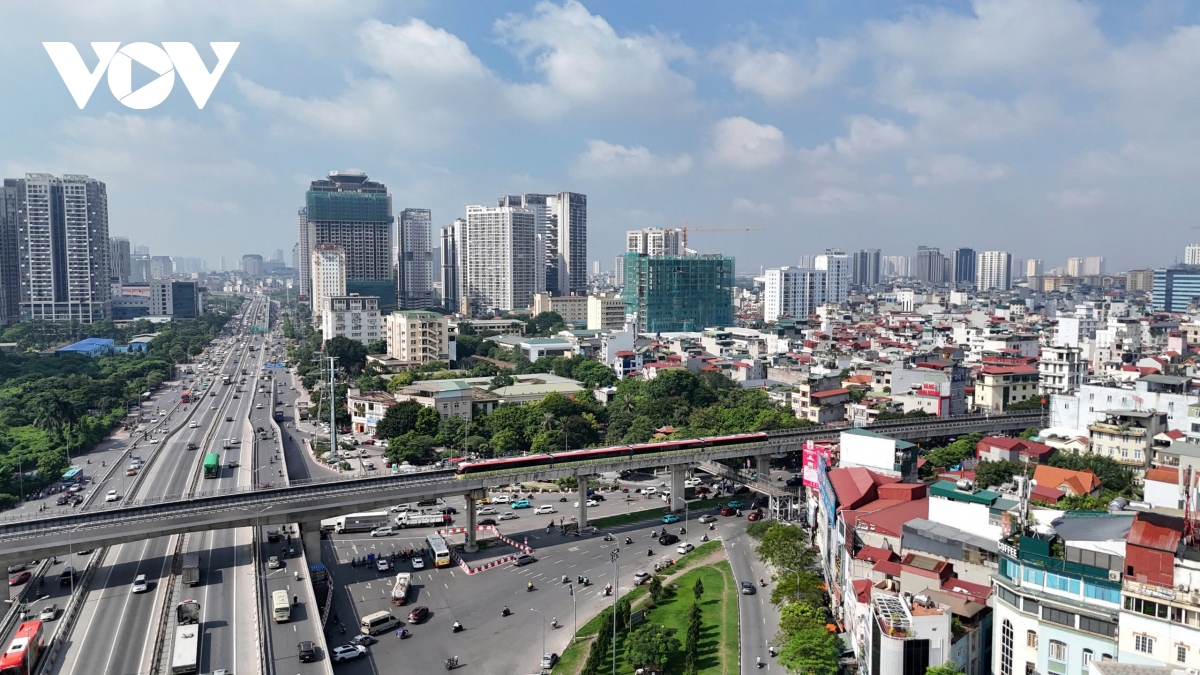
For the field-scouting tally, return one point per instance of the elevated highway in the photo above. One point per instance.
(310, 501)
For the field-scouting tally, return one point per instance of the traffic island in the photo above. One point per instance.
(479, 560)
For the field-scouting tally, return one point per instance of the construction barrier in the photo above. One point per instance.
(524, 548)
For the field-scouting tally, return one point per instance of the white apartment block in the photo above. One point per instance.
(793, 292)
(1093, 266)
(605, 312)
(993, 271)
(1061, 370)
(355, 317)
(417, 337)
(328, 269)
(500, 258)
(1191, 255)
(838, 268)
(1033, 267)
(1074, 267)
(654, 241)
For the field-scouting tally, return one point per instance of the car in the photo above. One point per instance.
(193, 424)
(755, 515)
(131, 471)
(640, 577)
(449, 511)
(258, 407)
(649, 490)
(19, 578)
(590, 503)
(544, 508)
(383, 565)
(229, 418)
(521, 504)
(112, 496)
(684, 548)
(794, 481)
(734, 504)
(347, 652)
(501, 499)
(385, 531)
(236, 396)
(418, 562)
(524, 559)
(153, 441)
(48, 613)
(670, 518)
(233, 464)
(213, 406)
(368, 465)
(192, 446)
(667, 539)
(363, 639)
(748, 588)
(485, 511)
(62, 500)
(306, 651)
(273, 563)
(707, 518)
(487, 521)
(418, 614)
(508, 515)
(139, 584)
(548, 660)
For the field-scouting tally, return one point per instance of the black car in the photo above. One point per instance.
(307, 652)
(487, 521)
(794, 481)
(449, 511)
(62, 500)
(667, 540)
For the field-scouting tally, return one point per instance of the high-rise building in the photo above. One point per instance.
(679, 293)
(417, 337)
(619, 271)
(278, 257)
(1175, 288)
(304, 253)
(793, 292)
(119, 259)
(595, 268)
(252, 265)
(995, 271)
(1191, 254)
(929, 266)
(1093, 266)
(837, 274)
(1074, 267)
(161, 266)
(654, 241)
(296, 257)
(63, 247)
(561, 225)
(1139, 281)
(223, 267)
(500, 258)
(962, 266)
(190, 264)
(141, 249)
(10, 278)
(415, 265)
(866, 268)
(328, 267)
(354, 317)
(1033, 268)
(894, 266)
(139, 269)
(348, 210)
(176, 299)
(453, 250)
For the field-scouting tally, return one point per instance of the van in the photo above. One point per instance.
(378, 623)
(66, 576)
(281, 609)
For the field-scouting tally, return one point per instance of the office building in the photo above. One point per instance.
(62, 247)
(605, 312)
(836, 266)
(161, 267)
(619, 271)
(354, 317)
(1174, 288)
(962, 267)
(303, 254)
(193, 265)
(500, 258)
(792, 292)
(654, 241)
(139, 269)
(929, 266)
(417, 337)
(176, 299)
(1191, 254)
(679, 293)
(119, 259)
(415, 264)
(328, 268)
(895, 266)
(561, 226)
(348, 210)
(252, 265)
(10, 278)
(865, 267)
(1140, 281)
(452, 251)
(296, 257)
(995, 271)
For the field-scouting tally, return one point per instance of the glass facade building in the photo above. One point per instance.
(679, 293)
(1175, 287)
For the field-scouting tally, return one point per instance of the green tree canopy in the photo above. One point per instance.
(812, 651)
(351, 354)
(651, 645)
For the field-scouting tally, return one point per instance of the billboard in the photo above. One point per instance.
(809, 457)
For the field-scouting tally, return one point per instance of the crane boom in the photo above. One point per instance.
(684, 231)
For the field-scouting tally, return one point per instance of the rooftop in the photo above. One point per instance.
(1093, 526)
(947, 490)
(900, 445)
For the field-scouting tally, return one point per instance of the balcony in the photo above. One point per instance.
(1117, 429)
(1161, 592)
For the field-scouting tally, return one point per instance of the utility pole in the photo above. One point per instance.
(616, 579)
(332, 407)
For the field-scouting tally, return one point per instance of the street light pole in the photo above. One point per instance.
(797, 581)
(575, 611)
(543, 628)
(616, 581)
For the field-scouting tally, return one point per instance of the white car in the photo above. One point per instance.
(544, 508)
(385, 531)
(368, 465)
(640, 577)
(485, 511)
(193, 424)
(212, 407)
(154, 441)
(418, 563)
(508, 515)
(684, 548)
(139, 584)
(501, 499)
(649, 490)
(258, 407)
(706, 518)
(590, 502)
(347, 652)
(383, 565)
(112, 496)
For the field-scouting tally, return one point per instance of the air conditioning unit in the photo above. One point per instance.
(1182, 588)
(1016, 581)
(1114, 575)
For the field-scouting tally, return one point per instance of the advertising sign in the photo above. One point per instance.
(809, 456)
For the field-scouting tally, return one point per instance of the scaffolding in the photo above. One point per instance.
(679, 293)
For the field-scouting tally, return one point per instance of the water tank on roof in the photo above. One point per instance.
(1118, 504)
(965, 484)
(922, 600)
(1142, 506)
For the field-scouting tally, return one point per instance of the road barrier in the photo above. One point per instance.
(466, 567)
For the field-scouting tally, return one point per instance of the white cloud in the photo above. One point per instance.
(1076, 199)
(741, 205)
(868, 136)
(779, 76)
(839, 200)
(609, 160)
(953, 170)
(742, 144)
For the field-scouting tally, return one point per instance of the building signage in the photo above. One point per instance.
(810, 453)
(828, 499)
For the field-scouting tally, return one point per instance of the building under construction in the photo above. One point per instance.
(679, 293)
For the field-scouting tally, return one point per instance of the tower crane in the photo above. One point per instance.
(684, 231)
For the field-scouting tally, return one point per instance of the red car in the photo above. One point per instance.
(19, 578)
(727, 511)
(754, 515)
(418, 614)
(369, 442)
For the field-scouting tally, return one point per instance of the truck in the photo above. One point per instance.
(358, 522)
(191, 569)
(419, 519)
(400, 589)
(185, 654)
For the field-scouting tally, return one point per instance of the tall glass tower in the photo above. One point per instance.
(348, 210)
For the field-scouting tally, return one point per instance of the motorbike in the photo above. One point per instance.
(608, 537)
(771, 651)
(565, 579)
(758, 661)
(554, 623)
(682, 530)
(529, 587)
(458, 627)
(762, 583)
(704, 538)
(505, 612)
(650, 552)
(403, 633)
(452, 663)
(628, 540)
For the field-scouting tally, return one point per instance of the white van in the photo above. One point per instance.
(281, 609)
(378, 623)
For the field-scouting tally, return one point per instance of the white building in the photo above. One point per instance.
(1033, 267)
(355, 317)
(1093, 266)
(303, 254)
(1191, 255)
(414, 265)
(605, 312)
(994, 271)
(1061, 370)
(453, 252)
(792, 291)
(560, 228)
(654, 241)
(328, 268)
(838, 268)
(417, 337)
(500, 258)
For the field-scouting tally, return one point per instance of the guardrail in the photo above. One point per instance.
(66, 623)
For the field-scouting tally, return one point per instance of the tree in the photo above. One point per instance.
(505, 442)
(991, 474)
(398, 420)
(947, 668)
(501, 380)
(545, 323)
(651, 645)
(624, 609)
(412, 448)
(656, 588)
(798, 616)
(782, 546)
(428, 422)
(698, 589)
(351, 354)
(691, 647)
(812, 651)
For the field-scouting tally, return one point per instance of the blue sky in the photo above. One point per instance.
(1048, 128)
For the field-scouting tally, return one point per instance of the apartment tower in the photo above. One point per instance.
(415, 259)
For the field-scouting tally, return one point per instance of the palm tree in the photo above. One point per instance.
(548, 421)
(627, 402)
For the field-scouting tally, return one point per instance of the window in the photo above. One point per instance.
(1143, 643)
(1098, 592)
(1006, 648)
(1088, 655)
(1062, 583)
(1034, 576)
(1058, 650)
(1009, 597)
(1097, 626)
(1030, 605)
(1181, 653)
(1031, 639)
(1059, 617)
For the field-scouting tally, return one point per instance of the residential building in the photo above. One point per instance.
(355, 317)
(139, 269)
(366, 408)
(534, 348)
(906, 635)
(119, 260)
(1175, 288)
(453, 253)
(1074, 267)
(939, 390)
(837, 268)
(1093, 266)
(62, 247)
(995, 271)
(999, 386)
(605, 312)
(1139, 281)
(10, 277)
(252, 266)
(417, 337)
(303, 253)
(1160, 610)
(962, 262)
(1094, 401)
(654, 241)
(821, 400)
(895, 266)
(1191, 254)
(347, 209)
(176, 299)
(1127, 436)
(572, 308)
(882, 454)
(1061, 370)
(414, 271)
(561, 227)
(1033, 267)
(328, 269)
(500, 258)
(1071, 483)
(1003, 448)
(866, 267)
(679, 293)
(162, 267)
(792, 292)
(930, 265)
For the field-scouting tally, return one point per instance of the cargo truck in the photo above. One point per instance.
(418, 519)
(191, 569)
(400, 590)
(185, 653)
(357, 522)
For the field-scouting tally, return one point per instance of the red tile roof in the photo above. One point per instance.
(967, 589)
(831, 392)
(1047, 494)
(887, 516)
(1076, 482)
(862, 590)
(887, 567)
(873, 554)
(1009, 370)
(1164, 474)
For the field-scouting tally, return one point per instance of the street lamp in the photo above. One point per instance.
(616, 580)
(543, 628)
(788, 569)
(575, 612)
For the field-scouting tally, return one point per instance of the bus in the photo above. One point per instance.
(281, 611)
(185, 397)
(72, 476)
(23, 652)
(212, 465)
(438, 550)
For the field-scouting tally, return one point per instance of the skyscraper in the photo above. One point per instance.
(1175, 288)
(962, 266)
(500, 257)
(162, 267)
(895, 266)
(119, 259)
(792, 291)
(678, 293)
(328, 265)
(415, 265)
(1093, 266)
(1191, 254)
(348, 210)
(837, 274)
(619, 271)
(63, 247)
(1074, 267)
(995, 271)
(453, 250)
(654, 241)
(930, 265)
(1033, 268)
(304, 253)
(252, 265)
(10, 278)
(561, 227)
(866, 268)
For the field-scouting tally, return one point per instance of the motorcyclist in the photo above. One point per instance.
(758, 661)
(505, 611)
(554, 622)
(529, 586)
